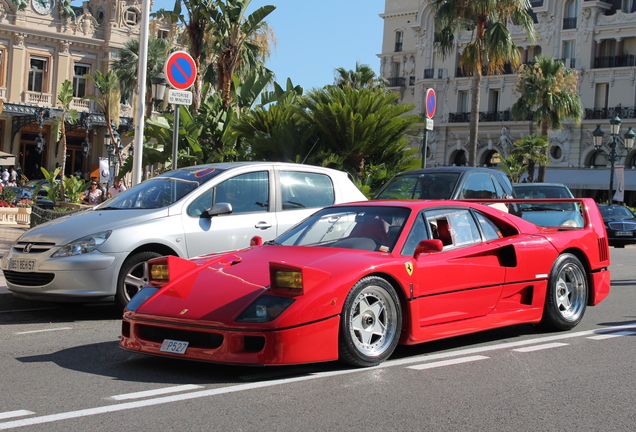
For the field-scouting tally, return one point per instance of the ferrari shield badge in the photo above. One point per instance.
(409, 268)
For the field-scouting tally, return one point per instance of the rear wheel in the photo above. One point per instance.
(133, 276)
(371, 323)
(567, 294)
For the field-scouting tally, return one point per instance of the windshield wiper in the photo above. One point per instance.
(272, 242)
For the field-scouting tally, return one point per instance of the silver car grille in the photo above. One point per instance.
(622, 226)
(32, 247)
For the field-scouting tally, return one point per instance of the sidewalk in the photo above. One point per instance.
(8, 235)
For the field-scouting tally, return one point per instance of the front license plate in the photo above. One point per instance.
(21, 265)
(623, 233)
(173, 346)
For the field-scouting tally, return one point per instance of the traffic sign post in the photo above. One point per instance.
(431, 103)
(181, 73)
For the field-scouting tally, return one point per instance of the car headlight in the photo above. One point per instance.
(570, 223)
(265, 309)
(83, 245)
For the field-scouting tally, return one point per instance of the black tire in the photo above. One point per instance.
(567, 294)
(371, 323)
(132, 277)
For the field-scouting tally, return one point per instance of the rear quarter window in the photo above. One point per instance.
(305, 190)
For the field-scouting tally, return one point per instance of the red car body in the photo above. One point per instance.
(356, 305)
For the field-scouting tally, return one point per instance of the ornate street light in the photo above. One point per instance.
(613, 156)
(159, 83)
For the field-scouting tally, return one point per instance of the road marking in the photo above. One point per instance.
(44, 330)
(447, 362)
(12, 414)
(540, 347)
(156, 392)
(264, 384)
(613, 335)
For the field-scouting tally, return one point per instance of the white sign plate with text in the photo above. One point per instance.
(179, 97)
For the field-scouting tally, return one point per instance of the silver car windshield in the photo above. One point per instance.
(154, 193)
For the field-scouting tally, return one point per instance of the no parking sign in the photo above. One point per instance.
(181, 71)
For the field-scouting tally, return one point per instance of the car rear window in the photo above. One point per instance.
(422, 186)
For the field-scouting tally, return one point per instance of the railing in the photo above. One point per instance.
(82, 104)
(608, 113)
(397, 82)
(3, 93)
(38, 98)
(398, 46)
(569, 23)
(507, 70)
(615, 61)
(429, 73)
(569, 63)
(488, 116)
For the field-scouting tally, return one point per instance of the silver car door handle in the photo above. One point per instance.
(263, 225)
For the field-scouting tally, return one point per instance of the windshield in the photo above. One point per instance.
(616, 212)
(355, 227)
(154, 193)
(540, 192)
(422, 186)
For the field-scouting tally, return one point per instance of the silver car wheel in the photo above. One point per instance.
(570, 292)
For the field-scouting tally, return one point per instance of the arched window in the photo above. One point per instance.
(399, 40)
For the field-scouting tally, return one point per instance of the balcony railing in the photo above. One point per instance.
(615, 61)
(397, 82)
(82, 104)
(608, 113)
(570, 63)
(460, 72)
(3, 93)
(38, 98)
(398, 46)
(569, 23)
(488, 116)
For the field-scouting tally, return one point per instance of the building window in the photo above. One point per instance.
(627, 6)
(493, 101)
(37, 74)
(462, 102)
(79, 80)
(163, 34)
(571, 12)
(399, 40)
(601, 96)
(131, 16)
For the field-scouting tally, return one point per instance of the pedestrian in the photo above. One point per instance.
(5, 175)
(13, 175)
(93, 195)
(116, 188)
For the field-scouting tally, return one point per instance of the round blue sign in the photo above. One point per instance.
(431, 102)
(181, 71)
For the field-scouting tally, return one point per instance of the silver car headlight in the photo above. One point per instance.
(83, 245)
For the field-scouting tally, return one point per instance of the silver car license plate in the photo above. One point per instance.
(173, 346)
(21, 264)
(623, 233)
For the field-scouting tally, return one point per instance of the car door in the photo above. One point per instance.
(465, 279)
(301, 194)
(250, 196)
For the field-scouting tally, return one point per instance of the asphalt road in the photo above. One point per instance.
(62, 371)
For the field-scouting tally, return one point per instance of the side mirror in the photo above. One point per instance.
(428, 246)
(217, 209)
(256, 241)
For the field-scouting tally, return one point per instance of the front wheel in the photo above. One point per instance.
(566, 298)
(371, 323)
(133, 276)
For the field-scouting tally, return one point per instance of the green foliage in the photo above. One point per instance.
(74, 188)
(534, 150)
(513, 166)
(52, 189)
(8, 195)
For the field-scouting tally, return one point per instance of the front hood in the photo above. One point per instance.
(68, 228)
(221, 286)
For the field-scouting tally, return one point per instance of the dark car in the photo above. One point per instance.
(448, 183)
(620, 224)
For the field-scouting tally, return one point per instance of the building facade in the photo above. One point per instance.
(42, 44)
(597, 38)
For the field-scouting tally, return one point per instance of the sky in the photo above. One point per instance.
(314, 37)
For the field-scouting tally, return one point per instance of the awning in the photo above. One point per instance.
(6, 159)
(588, 178)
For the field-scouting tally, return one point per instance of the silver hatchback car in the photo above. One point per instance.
(188, 212)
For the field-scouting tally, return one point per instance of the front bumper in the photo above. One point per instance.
(308, 343)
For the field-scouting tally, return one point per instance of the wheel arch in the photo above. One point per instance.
(153, 247)
(400, 291)
(586, 266)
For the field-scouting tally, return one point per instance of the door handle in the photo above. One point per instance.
(263, 225)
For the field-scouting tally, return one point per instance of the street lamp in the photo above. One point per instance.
(613, 156)
(159, 83)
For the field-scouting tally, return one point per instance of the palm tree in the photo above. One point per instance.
(490, 47)
(107, 85)
(65, 98)
(549, 92)
(533, 148)
(513, 166)
(234, 37)
(127, 62)
(362, 77)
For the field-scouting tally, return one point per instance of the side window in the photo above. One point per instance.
(500, 193)
(201, 203)
(417, 234)
(455, 228)
(305, 190)
(247, 193)
(488, 227)
(479, 185)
